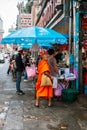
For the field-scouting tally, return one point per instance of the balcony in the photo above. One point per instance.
(42, 8)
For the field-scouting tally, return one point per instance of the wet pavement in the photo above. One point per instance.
(17, 112)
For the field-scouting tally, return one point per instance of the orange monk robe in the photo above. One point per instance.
(43, 91)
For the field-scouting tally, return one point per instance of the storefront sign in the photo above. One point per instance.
(84, 23)
(85, 44)
(26, 20)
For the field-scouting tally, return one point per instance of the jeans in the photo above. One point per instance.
(8, 70)
(18, 81)
(25, 75)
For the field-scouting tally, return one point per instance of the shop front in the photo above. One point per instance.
(84, 51)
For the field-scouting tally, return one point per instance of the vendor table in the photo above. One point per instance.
(65, 79)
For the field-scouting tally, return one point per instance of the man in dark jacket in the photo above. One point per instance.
(19, 70)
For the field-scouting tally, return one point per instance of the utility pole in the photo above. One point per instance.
(70, 33)
(76, 41)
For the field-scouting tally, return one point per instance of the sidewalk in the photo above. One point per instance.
(82, 99)
(19, 112)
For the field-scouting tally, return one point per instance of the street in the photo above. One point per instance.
(18, 112)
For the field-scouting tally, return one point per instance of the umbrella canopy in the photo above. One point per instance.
(24, 45)
(35, 35)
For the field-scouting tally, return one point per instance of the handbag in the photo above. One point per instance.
(45, 81)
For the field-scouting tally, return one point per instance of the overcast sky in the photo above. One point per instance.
(8, 13)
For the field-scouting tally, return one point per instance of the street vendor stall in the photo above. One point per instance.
(64, 79)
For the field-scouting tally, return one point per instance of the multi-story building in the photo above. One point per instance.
(35, 10)
(1, 31)
(11, 29)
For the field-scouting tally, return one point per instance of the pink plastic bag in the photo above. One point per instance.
(31, 71)
(75, 72)
(58, 90)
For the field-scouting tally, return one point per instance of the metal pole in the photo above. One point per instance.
(76, 41)
(70, 34)
(80, 55)
(70, 25)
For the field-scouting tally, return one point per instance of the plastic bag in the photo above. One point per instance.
(58, 90)
(31, 71)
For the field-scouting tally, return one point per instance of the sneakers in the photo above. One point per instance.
(25, 80)
(20, 92)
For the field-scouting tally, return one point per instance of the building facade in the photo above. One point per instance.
(1, 32)
(68, 17)
(53, 15)
(1, 29)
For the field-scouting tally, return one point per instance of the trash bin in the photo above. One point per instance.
(69, 95)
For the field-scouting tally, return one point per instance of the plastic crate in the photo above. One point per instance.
(69, 95)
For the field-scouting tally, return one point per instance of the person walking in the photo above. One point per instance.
(9, 68)
(26, 63)
(19, 71)
(43, 91)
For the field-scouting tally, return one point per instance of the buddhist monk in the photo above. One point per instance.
(43, 91)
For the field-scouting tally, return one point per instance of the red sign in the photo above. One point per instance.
(84, 22)
(25, 16)
(25, 21)
(85, 44)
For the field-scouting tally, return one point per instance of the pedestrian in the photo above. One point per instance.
(53, 68)
(19, 71)
(26, 63)
(43, 91)
(9, 68)
(13, 68)
(10, 64)
(38, 60)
